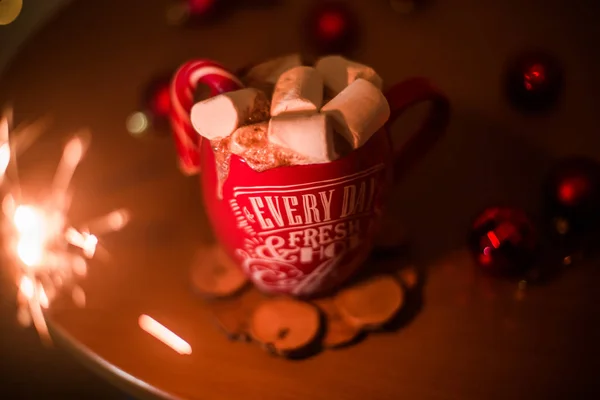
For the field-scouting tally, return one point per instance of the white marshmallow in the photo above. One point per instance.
(220, 116)
(299, 89)
(359, 111)
(308, 135)
(271, 70)
(339, 72)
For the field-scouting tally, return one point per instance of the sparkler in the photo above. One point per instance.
(47, 252)
(164, 334)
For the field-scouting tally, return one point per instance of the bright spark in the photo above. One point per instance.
(38, 238)
(73, 152)
(44, 302)
(26, 287)
(28, 220)
(162, 333)
(4, 146)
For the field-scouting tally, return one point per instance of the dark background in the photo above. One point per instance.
(492, 154)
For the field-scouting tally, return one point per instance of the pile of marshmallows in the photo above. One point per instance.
(298, 119)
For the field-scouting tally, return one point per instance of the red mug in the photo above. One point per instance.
(303, 230)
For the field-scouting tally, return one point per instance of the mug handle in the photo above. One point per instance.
(401, 97)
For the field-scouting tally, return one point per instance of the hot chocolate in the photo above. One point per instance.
(251, 143)
(294, 127)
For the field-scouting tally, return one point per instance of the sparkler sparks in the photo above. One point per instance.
(47, 252)
(162, 333)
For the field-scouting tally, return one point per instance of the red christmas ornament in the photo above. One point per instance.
(184, 11)
(156, 98)
(155, 107)
(503, 240)
(331, 27)
(534, 76)
(200, 7)
(534, 81)
(572, 196)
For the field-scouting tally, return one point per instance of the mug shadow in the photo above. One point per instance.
(479, 163)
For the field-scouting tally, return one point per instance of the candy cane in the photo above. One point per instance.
(184, 84)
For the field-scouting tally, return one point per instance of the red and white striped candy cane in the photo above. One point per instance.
(183, 86)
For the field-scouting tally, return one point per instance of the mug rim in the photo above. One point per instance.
(351, 157)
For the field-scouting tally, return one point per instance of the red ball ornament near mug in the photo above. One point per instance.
(331, 27)
(301, 230)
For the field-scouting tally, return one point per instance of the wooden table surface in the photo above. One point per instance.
(473, 338)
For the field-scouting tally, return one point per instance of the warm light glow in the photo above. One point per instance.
(4, 158)
(31, 224)
(111, 222)
(85, 241)
(74, 237)
(4, 128)
(30, 251)
(79, 266)
(8, 206)
(89, 245)
(72, 155)
(78, 296)
(116, 220)
(9, 11)
(137, 123)
(24, 316)
(28, 220)
(73, 151)
(44, 302)
(26, 287)
(163, 334)
(37, 236)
